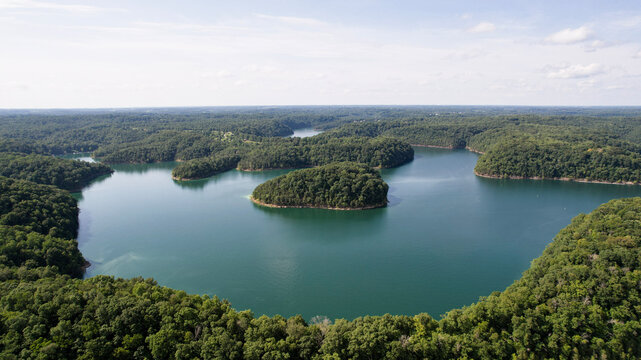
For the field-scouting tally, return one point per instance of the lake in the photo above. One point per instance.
(305, 132)
(446, 238)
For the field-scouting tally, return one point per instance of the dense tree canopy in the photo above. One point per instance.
(32, 250)
(204, 167)
(345, 185)
(43, 209)
(321, 150)
(49, 170)
(526, 157)
(292, 153)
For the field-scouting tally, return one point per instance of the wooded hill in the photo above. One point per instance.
(49, 170)
(344, 185)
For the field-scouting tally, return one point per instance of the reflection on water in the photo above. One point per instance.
(143, 168)
(446, 238)
(305, 132)
(79, 156)
(323, 224)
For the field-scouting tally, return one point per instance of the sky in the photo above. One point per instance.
(143, 53)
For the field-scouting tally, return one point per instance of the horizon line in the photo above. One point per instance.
(309, 105)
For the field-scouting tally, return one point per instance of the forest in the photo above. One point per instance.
(587, 144)
(580, 299)
(342, 185)
(50, 170)
(292, 153)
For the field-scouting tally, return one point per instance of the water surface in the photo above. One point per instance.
(305, 132)
(447, 237)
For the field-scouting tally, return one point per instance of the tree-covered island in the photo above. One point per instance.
(337, 186)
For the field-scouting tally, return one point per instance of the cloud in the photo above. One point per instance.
(596, 45)
(292, 20)
(571, 36)
(482, 27)
(465, 54)
(221, 74)
(637, 55)
(42, 5)
(576, 71)
(629, 22)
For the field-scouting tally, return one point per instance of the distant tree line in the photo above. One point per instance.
(253, 134)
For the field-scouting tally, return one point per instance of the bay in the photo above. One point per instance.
(446, 238)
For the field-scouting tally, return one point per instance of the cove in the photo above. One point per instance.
(305, 132)
(446, 238)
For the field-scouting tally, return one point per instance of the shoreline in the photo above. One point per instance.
(258, 202)
(585, 181)
(434, 146)
(449, 148)
(281, 168)
(474, 150)
(188, 179)
(85, 266)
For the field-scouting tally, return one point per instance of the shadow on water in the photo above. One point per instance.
(86, 156)
(506, 186)
(393, 200)
(323, 215)
(196, 185)
(143, 168)
(78, 194)
(199, 185)
(322, 226)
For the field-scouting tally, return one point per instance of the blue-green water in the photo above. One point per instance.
(446, 238)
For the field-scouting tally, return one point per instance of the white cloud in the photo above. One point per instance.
(465, 54)
(596, 45)
(270, 59)
(629, 22)
(292, 20)
(482, 27)
(221, 74)
(571, 36)
(638, 55)
(42, 5)
(576, 71)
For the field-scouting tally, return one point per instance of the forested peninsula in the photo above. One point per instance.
(580, 299)
(599, 145)
(339, 186)
(49, 170)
